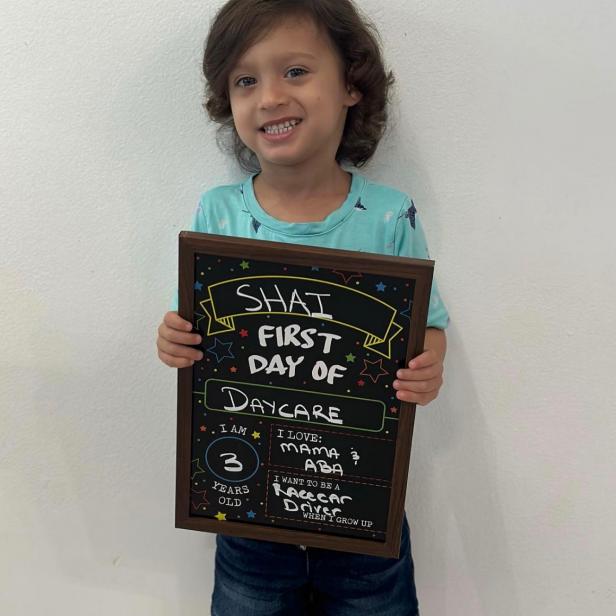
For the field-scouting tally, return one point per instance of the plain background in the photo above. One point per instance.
(503, 132)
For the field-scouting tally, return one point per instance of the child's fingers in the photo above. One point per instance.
(178, 350)
(175, 362)
(426, 359)
(179, 337)
(416, 397)
(423, 374)
(421, 387)
(173, 320)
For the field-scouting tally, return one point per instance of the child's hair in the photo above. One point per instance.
(241, 23)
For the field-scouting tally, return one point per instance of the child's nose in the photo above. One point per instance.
(272, 94)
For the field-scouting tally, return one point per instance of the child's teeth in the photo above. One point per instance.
(280, 128)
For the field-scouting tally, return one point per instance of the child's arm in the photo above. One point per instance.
(422, 380)
(175, 340)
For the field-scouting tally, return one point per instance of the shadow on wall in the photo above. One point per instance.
(460, 540)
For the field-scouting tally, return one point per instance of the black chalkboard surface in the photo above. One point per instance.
(289, 429)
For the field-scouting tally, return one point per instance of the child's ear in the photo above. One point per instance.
(353, 96)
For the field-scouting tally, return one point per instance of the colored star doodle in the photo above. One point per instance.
(350, 358)
(407, 311)
(221, 350)
(381, 287)
(195, 469)
(221, 517)
(394, 409)
(198, 286)
(245, 265)
(348, 276)
(244, 333)
(196, 503)
(256, 435)
(251, 515)
(369, 369)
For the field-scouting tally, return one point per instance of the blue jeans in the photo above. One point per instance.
(260, 578)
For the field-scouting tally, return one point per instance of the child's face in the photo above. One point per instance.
(292, 75)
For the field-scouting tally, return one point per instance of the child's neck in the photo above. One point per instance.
(296, 196)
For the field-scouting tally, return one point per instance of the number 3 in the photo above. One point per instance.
(232, 464)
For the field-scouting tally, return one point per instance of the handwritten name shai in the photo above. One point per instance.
(294, 303)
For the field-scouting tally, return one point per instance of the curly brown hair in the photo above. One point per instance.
(240, 23)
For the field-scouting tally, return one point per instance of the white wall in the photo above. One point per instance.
(504, 135)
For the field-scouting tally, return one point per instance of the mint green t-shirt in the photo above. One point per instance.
(373, 218)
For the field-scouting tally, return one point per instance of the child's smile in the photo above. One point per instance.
(280, 130)
(289, 98)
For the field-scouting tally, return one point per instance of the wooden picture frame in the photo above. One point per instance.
(270, 340)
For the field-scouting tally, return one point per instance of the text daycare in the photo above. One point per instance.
(238, 401)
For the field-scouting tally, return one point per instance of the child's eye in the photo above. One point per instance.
(296, 71)
(244, 82)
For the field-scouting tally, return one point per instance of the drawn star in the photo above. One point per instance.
(198, 286)
(221, 350)
(350, 358)
(251, 515)
(407, 312)
(221, 517)
(233, 369)
(381, 287)
(394, 409)
(245, 265)
(348, 276)
(361, 382)
(256, 435)
(203, 429)
(370, 366)
(244, 333)
(196, 503)
(195, 469)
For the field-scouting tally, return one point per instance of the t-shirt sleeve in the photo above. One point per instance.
(198, 224)
(410, 241)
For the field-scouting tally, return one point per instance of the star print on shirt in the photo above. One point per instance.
(410, 214)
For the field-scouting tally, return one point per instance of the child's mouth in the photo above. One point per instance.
(279, 131)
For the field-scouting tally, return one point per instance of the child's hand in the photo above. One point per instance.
(175, 340)
(421, 382)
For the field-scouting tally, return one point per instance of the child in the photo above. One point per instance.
(301, 88)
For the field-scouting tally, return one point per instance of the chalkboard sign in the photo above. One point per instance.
(289, 429)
